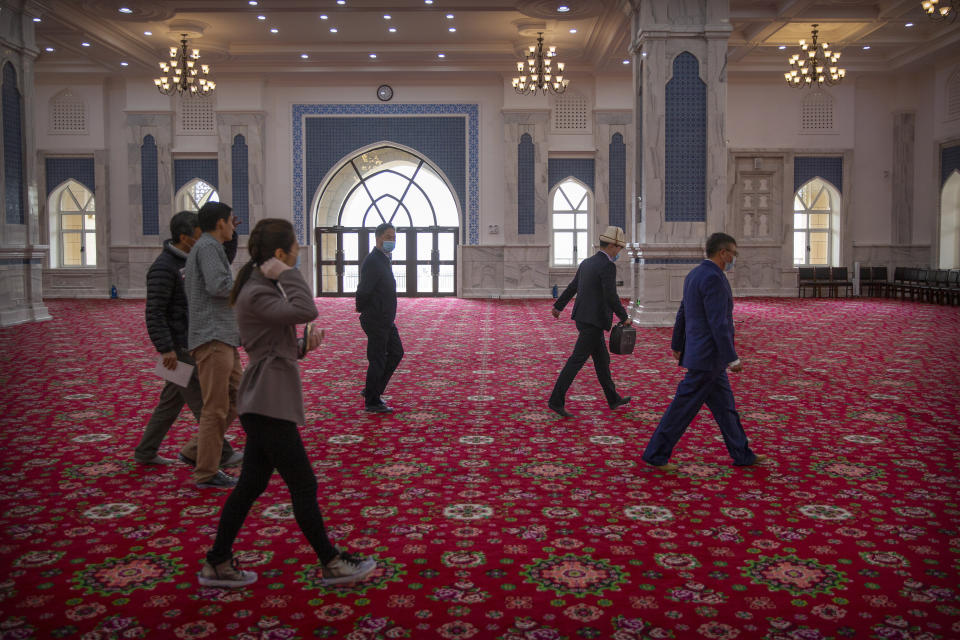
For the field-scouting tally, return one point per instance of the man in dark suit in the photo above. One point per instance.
(703, 343)
(377, 306)
(595, 286)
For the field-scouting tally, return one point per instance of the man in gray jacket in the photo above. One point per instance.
(213, 339)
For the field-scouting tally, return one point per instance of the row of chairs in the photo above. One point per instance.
(931, 285)
(820, 279)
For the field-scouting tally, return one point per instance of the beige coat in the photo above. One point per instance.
(268, 313)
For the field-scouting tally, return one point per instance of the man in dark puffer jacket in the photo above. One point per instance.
(167, 323)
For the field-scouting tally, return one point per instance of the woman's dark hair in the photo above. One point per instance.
(269, 235)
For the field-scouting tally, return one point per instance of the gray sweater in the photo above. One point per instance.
(208, 281)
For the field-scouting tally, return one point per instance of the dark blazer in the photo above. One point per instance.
(377, 290)
(703, 330)
(595, 286)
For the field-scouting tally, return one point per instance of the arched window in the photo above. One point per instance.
(950, 222)
(73, 226)
(816, 224)
(195, 194)
(570, 219)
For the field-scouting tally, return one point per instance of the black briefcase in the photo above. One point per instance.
(622, 339)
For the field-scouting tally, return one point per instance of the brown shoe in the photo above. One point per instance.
(666, 467)
(760, 458)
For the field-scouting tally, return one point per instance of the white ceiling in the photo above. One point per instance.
(490, 34)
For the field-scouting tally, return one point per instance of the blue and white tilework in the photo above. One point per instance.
(446, 134)
(526, 185)
(12, 146)
(830, 168)
(59, 170)
(241, 183)
(149, 187)
(949, 162)
(685, 142)
(618, 181)
(559, 169)
(186, 169)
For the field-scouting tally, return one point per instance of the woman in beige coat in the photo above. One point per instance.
(271, 298)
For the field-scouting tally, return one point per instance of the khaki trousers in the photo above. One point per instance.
(219, 371)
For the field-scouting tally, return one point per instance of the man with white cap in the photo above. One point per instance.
(595, 287)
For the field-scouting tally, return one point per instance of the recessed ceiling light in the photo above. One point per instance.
(452, 29)
(866, 48)
(449, 16)
(386, 16)
(626, 62)
(274, 30)
(252, 3)
(125, 10)
(261, 17)
(428, 1)
(333, 30)
(392, 29)
(124, 64)
(84, 44)
(563, 8)
(148, 33)
(373, 55)
(323, 16)
(782, 47)
(573, 30)
(441, 55)
(48, 49)
(909, 24)
(341, 1)
(37, 20)
(304, 56)
(644, 54)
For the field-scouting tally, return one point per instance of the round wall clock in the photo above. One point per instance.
(385, 92)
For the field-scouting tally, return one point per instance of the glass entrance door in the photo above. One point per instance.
(424, 260)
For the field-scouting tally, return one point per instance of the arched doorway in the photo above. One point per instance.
(950, 222)
(387, 184)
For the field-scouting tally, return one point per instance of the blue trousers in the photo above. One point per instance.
(696, 388)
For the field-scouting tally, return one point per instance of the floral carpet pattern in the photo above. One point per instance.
(491, 517)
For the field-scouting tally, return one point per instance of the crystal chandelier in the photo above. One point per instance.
(536, 73)
(941, 10)
(816, 65)
(181, 74)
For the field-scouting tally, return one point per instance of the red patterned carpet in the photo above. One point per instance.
(492, 518)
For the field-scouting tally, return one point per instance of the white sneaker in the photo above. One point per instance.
(225, 574)
(347, 567)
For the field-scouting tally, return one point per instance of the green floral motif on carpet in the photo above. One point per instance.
(797, 576)
(126, 575)
(574, 575)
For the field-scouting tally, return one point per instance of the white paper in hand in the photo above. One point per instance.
(179, 376)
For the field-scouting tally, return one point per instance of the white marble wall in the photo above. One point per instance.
(251, 126)
(516, 123)
(23, 249)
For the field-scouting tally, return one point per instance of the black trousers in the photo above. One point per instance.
(384, 352)
(272, 444)
(590, 344)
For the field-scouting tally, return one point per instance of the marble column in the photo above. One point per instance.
(663, 30)
(904, 141)
(23, 249)
(249, 124)
(607, 123)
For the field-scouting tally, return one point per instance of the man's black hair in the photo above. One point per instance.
(211, 212)
(717, 242)
(383, 228)
(183, 224)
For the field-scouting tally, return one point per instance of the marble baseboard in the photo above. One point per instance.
(69, 283)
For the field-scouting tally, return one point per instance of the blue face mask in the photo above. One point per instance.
(389, 245)
(616, 257)
(729, 265)
(297, 263)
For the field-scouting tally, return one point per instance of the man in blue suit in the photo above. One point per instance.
(703, 343)
(595, 286)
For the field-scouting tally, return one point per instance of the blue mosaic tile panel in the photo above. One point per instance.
(149, 187)
(447, 134)
(949, 162)
(805, 168)
(241, 183)
(685, 142)
(59, 170)
(559, 169)
(186, 169)
(12, 111)
(617, 181)
(526, 185)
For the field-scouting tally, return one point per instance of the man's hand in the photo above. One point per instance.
(737, 368)
(235, 221)
(556, 314)
(676, 355)
(169, 359)
(315, 338)
(627, 322)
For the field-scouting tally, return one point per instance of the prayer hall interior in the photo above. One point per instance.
(490, 516)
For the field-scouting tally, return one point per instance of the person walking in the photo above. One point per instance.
(271, 298)
(212, 340)
(595, 286)
(703, 343)
(377, 305)
(167, 321)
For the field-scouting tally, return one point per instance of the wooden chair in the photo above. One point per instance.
(839, 279)
(805, 279)
(878, 281)
(821, 277)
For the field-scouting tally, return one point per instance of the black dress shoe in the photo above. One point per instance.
(619, 403)
(558, 409)
(377, 408)
(185, 460)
